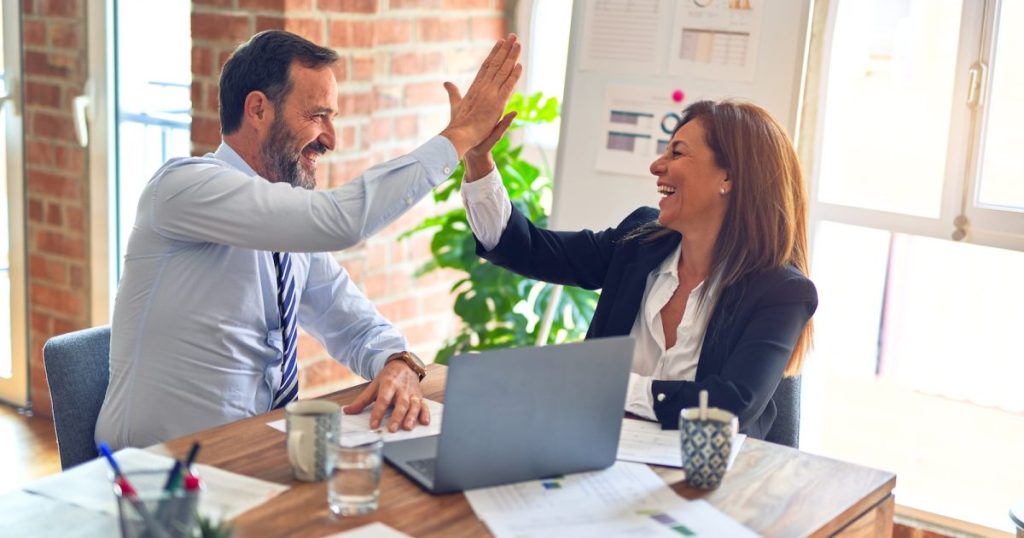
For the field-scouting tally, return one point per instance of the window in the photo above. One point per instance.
(918, 219)
(13, 331)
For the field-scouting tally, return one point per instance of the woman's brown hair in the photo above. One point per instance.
(765, 224)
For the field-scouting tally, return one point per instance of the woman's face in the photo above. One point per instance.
(690, 182)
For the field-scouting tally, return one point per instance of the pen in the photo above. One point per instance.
(172, 477)
(128, 492)
(191, 456)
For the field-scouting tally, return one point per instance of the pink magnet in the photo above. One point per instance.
(678, 96)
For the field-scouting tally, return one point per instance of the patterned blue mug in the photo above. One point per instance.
(706, 445)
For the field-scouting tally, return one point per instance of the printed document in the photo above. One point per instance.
(355, 428)
(627, 499)
(646, 442)
(89, 485)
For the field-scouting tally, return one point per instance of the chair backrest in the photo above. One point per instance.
(77, 370)
(786, 428)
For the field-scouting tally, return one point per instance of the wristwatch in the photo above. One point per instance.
(411, 360)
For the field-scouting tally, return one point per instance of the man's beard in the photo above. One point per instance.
(281, 161)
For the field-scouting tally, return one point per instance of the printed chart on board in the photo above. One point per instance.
(639, 121)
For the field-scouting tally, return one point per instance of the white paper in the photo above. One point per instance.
(638, 125)
(627, 499)
(226, 494)
(373, 530)
(716, 40)
(646, 442)
(355, 429)
(621, 36)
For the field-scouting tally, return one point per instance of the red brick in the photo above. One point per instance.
(380, 128)
(35, 210)
(54, 215)
(206, 131)
(377, 255)
(264, 22)
(65, 35)
(414, 4)
(77, 276)
(202, 61)
(415, 63)
(355, 104)
(406, 126)
(56, 243)
(432, 30)
(46, 64)
(344, 171)
(466, 4)
(213, 100)
(362, 68)
(438, 302)
(346, 137)
(42, 94)
(222, 58)
(40, 153)
(424, 93)
(71, 159)
(351, 34)
(75, 217)
(489, 28)
(321, 373)
(340, 69)
(221, 28)
(311, 29)
(60, 8)
(64, 326)
(33, 33)
(261, 5)
(399, 309)
(392, 31)
(53, 126)
(54, 299)
(28, 7)
(40, 322)
(348, 6)
(53, 185)
(46, 269)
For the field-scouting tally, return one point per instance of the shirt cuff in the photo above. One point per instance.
(638, 397)
(438, 157)
(378, 361)
(488, 208)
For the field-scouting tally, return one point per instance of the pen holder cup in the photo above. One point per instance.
(148, 511)
(706, 445)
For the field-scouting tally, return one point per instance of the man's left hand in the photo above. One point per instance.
(396, 385)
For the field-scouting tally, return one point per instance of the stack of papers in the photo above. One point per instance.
(355, 429)
(627, 499)
(646, 442)
(226, 494)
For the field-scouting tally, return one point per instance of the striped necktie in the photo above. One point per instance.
(289, 389)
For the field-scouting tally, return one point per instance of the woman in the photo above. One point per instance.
(712, 285)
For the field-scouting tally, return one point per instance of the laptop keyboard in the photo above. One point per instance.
(425, 467)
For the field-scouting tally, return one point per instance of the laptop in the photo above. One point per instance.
(520, 414)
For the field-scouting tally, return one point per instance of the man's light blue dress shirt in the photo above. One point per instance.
(196, 336)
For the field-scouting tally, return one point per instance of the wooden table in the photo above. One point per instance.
(774, 490)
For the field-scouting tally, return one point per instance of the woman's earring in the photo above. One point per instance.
(721, 191)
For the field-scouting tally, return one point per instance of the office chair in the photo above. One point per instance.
(786, 428)
(77, 370)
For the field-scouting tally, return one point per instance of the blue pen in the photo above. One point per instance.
(128, 492)
(192, 452)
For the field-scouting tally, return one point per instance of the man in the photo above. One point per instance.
(229, 252)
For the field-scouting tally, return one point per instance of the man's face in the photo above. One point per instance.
(302, 129)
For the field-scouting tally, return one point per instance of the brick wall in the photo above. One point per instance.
(395, 55)
(56, 180)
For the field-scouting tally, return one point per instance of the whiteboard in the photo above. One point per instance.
(653, 50)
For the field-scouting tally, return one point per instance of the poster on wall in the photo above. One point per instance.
(638, 124)
(716, 39)
(622, 36)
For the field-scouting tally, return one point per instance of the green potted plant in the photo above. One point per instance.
(498, 308)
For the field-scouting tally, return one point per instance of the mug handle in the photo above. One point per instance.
(294, 453)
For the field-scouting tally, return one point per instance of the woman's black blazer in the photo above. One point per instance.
(751, 334)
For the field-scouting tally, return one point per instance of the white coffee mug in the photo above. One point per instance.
(309, 425)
